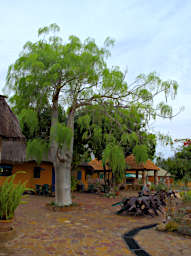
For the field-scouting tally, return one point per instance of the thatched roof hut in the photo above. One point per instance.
(147, 166)
(132, 165)
(12, 141)
(9, 124)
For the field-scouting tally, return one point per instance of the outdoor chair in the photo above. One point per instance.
(38, 189)
(45, 190)
(91, 188)
(106, 188)
(80, 187)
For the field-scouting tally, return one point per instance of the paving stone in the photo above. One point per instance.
(93, 230)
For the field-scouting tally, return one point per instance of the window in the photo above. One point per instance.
(5, 170)
(37, 172)
(79, 175)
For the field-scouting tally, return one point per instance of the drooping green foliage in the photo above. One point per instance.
(61, 134)
(140, 152)
(37, 149)
(101, 131)
(28, 118)
(10, 197)
(84, 122)
(113, 156)
(38, 125)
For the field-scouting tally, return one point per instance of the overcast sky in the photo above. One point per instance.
(150, 35)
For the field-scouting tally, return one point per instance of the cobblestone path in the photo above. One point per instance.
(92, 230)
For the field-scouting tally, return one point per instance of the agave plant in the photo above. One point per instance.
(10, 197)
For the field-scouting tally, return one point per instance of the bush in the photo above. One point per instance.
(152, 187)
(186, 195)
(159, 187)
(171, 226)
(10, 197)
(74, 183)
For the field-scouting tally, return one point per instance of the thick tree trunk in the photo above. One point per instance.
(63, 184)
(63, 171)
(62, 168)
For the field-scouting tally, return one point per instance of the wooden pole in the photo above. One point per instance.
(137, 176)
(155, 177)
(143, 177)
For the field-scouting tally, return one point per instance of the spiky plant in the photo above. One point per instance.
(10, 197)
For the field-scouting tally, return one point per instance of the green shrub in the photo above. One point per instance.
(140, 182)
(159, 187)
(152, 187)
(171, 226)
(10, 197)
(74, 183)
(186, 195)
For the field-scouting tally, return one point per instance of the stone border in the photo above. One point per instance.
(132, 244)
(69, 208)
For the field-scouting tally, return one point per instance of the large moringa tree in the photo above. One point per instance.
(73, 74)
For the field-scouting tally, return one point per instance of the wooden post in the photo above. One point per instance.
(137, 176)
(143, 177)
(155, 177)
(167, 179)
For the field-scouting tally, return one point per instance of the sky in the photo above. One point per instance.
(150, 35)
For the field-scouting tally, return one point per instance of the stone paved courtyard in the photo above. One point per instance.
(93, 229)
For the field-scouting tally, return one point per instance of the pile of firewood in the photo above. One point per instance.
(150, 204)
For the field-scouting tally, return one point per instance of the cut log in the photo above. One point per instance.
(144, 205)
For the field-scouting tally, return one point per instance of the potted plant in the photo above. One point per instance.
(10, 198)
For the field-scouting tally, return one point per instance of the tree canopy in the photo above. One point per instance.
(180, 164)
(74, 74)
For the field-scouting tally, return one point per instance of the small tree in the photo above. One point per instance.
(113, 156)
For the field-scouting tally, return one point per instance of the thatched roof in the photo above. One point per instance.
(95, 165)
(161, 173)
(12, 141)
(9, 124)
(13, 152)
(132, 165)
